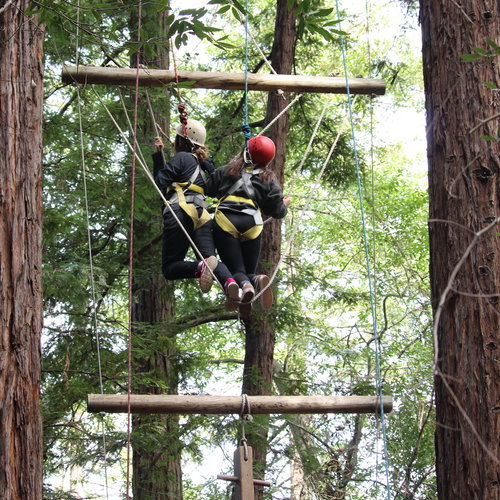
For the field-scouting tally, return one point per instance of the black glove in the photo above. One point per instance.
(208, 165)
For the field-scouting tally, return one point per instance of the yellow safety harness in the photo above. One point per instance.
(223, 221)
(189, 203)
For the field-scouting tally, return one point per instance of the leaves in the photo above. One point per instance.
(324, 332)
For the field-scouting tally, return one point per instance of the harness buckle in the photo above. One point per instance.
(247, 159)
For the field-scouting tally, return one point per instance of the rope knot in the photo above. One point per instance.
(182, 113)
(247, 131)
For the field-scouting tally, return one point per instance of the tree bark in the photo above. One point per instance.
(463, 191)
(260, 331)
(21, 70)
(156, 468)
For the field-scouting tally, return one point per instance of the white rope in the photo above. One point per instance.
(309, 198)
(150, 177)
(159, 130)
(242, 21)
(130, 126)
(91, 260)
(297, 97)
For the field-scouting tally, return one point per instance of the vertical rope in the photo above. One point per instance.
(367, 259)
(246, 127)
(131, 249)
(181, 108)
(374, 254)
(89, 244)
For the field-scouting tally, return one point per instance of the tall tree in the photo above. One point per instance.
(465, 257)
(21, 42)
(156, 470)
(260, 332)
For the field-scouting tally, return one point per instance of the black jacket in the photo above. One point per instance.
(179, 168)
(268, 195)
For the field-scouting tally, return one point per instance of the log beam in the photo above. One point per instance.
(219, 405)
(226, 81)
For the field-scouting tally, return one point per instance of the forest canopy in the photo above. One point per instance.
(326, 340)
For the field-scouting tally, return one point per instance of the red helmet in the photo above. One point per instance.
(261, 149)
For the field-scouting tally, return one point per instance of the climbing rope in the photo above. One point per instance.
(245, 127)
(374, 255)
(245, 416)
(91, 259)
(367, 259)
(181, 108)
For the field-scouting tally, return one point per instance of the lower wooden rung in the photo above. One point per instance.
(219, 405)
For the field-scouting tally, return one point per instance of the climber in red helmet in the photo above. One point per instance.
(245, 188)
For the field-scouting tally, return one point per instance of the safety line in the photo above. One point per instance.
(374, 242)
(269, 65)
(247, 133)
(367, 259)
(284, 110)
(130, 126)
(91, 259)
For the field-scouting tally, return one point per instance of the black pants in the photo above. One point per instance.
(176, 246)
(240, 257)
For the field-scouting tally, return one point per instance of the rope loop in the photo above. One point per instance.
(245, 411)
(243, 443)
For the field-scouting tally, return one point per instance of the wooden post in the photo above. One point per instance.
(226, 81)
(219, 405)
(243, 468)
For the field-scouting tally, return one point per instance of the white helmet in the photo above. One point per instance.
(195, 131)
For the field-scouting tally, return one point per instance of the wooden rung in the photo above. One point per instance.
(257, 482)
(219, 405)
(227, 81)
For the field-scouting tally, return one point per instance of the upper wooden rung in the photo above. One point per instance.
(219, 405)
(226, 81)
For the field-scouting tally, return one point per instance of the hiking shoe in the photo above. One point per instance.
(232, 294)
(266, 297)
(204, 274)
(247, 294)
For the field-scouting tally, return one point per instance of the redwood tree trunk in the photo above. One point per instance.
(21, 88)
(156, 468)
(463, 184)
(260, 332)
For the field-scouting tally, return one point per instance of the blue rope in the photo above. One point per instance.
(245, 127)
(367, 258)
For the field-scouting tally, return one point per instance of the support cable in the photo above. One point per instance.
(91, 259)
(245, 126)
(374, 243)
(367, 259)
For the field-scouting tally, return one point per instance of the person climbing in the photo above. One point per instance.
(244, 188)
(182, 180)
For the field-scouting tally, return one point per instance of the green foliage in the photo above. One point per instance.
(480, 53)
(313, 20)
(486, 56)
(325, 339)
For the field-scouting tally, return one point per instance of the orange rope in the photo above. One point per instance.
(131, 251)
(181, 107)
